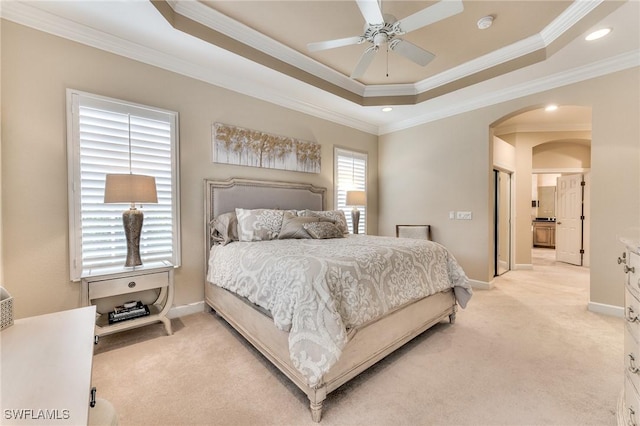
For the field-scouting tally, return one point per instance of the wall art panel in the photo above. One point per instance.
(246, 147)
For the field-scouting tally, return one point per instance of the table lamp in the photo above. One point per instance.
(131, 188)
(355, 199)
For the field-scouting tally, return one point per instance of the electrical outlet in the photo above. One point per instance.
(463, 215)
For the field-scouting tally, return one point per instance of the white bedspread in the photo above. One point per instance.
(318, 289)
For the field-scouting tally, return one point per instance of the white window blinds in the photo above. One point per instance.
(110, 136)
(350, 174)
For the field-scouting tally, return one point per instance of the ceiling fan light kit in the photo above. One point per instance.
(384, 29)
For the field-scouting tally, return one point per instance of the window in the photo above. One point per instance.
(111, 136)
(350, 174)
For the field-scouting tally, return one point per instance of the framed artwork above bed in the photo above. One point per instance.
(246, 147)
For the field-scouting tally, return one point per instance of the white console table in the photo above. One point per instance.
(46, 368)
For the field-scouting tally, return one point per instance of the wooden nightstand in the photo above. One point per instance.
(152, 276)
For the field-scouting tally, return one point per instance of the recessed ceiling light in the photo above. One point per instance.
(551, 107)
(387, 109)
(598, 34)
(485, 22)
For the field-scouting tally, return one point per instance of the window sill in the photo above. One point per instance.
(97, 272)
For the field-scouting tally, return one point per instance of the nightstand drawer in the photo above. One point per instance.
(130, 284)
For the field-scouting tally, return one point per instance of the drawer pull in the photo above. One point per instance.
(630, 316)
(632, 368)
(632, 415)
(627, 269)
(622, 259)
(132, 284)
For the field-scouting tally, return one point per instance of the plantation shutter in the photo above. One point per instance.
(109, 136)
(350, 175)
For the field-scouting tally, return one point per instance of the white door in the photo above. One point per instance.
(569, 219)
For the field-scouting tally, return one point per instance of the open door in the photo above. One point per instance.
(569, 219)
(502, 222)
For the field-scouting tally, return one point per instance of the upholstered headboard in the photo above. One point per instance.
(224, 196)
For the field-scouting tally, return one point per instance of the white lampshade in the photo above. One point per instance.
(356, 198)
(130, 188)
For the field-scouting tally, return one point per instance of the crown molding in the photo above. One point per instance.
(596, 69)
(390, 90)
(217, 21)
(25, 14)
(213, 19)
(571, 16)
(497, 57)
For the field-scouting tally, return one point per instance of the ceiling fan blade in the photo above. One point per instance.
(371, 11)
(365, 61)
(411, 52)
(330, 44)
(439, 11)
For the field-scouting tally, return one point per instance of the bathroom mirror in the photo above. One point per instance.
(546, 201)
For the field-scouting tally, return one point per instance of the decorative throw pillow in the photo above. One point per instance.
(337, 216)
(292, 226)
(225, 228)
(258, 224)
(323, 230)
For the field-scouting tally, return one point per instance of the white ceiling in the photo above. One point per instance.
(137, 30)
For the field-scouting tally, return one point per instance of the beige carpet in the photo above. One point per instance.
(525, 353)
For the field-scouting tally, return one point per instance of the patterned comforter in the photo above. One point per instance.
(319, 289)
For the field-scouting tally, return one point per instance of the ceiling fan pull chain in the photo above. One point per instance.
(387, 60)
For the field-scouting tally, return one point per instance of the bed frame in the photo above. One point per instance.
(367, 344)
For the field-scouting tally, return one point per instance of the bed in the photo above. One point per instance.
(327, 341)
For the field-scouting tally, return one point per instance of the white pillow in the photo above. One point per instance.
(259, 224)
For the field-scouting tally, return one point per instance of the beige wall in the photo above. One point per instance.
(36, 70)
(562, 155)
(431, 169)
(615, 177)
(504, 154)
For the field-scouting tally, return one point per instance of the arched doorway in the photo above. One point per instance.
(535, 142)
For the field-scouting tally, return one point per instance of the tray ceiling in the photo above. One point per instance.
(276, 34)
(258, 48)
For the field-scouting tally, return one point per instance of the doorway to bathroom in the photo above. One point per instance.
(502, 221)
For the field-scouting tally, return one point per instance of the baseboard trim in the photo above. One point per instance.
(523, 266)
(601, 308)
(481, 285)
(184, 310)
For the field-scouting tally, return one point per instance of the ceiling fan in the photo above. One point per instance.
(380, 29)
